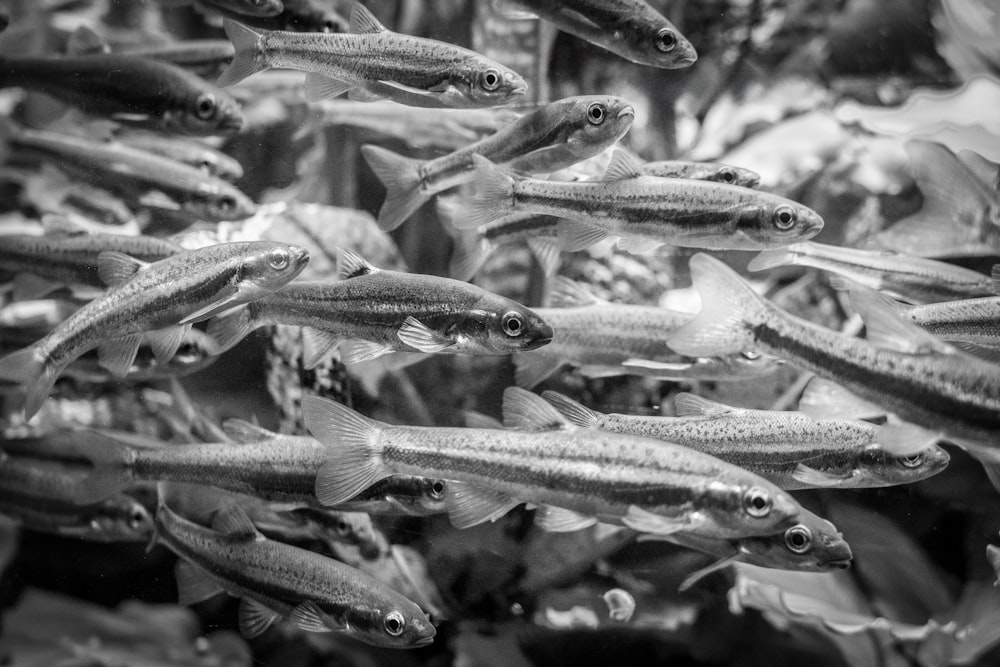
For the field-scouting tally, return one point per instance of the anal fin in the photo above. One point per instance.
(469, 505)
(561, 520)
(255, 618)
(118, 354)
(194, 584)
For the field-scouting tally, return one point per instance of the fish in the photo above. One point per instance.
(788, 448)
(308, 524)
(296, 16)
(400, 495)
(607, 339)
(552, 137)
(323, 596)
(143, 177)
(128, 89)
(203, 57)
(194, 153)
(336, 63)
(196, 352)
(702, 171)
(117, 519)
(575, 476)
(370, 312)
(899, 366)
(972, 325)
(907, 277)
(644, 212)
(631, 29)
(246, 7)
(28, 476)
(164, 297)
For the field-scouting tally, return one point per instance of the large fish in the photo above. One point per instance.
(161, 300)
(380, 62)
(575, 476)
(128, 89)
(378, 312)
(907, 277)
(788, 448)
(631, 29)
(279, 581)
(608, 339)
(552, 137)
(900, 367)
(645, 212)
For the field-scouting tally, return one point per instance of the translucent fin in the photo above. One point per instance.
(995, 278)
(319, 87)
(363, 21)
(366, 92)
(242, 431)
(115, 268)
(470, 505)
(317, 345)
(494, 198)
(823, 399)
(224, 300)
(110, 474)
(25, 368)
(622, 166)
(194, 584)
(568, 293)
(356, 351)
(469, 252)
(352, 265)
(808, 476)
(247, 59)
(84, 41)
(255, 618)
(166, 342)
(421, 337)
(575, 236)
(905, 439)
(698, 575)
(232, 520)
(401, 177)
(646, 522)
(571, 410)
(28, 287)
(885, 327)
(561, 520)
(473, 419)
(531, 368)
(118, 354)
(528, 412)
(769, 259)
(546, 251)
(228, 329)
(638, 246)
(689, 405)
(309, 617)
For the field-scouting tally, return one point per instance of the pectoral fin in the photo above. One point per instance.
(224, 300)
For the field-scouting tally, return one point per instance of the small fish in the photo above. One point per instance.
(788, 448)
(143, 177)
(606, 339)
(970, 324)
(322, 596)
(336, 63)
(296, 16)
(702, 171)
(246, 7)
(371, 312)
(645, 212)
(400, 495)
(576, 477)
(899, 366)
(194, 153)
(308, 524)
(128, 89)
(118, 519)
(913, 279)
(161, 300)
(197, 351)
(552, 137)
(631, 29)
(24, 474)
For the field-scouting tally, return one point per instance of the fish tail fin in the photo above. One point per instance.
(494, 198)
(28, 368)
(110, 474)
(249, 57)
(401, 177)
(353, 442)
(228, 329)
(729, 310)
(469, 252)
(769, 259)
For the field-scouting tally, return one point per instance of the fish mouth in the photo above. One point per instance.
(231, 123)
(627, 111)
(841, 564)
(424, 641)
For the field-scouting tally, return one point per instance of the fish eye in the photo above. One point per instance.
(727, 175)
(137, 519)
(784, 217)
(343, 527)
(798, 539)
(666, 40)
(437, 489)
(596, 113)
(513, 324)
(226, 204)
(205, 106)
(490, 80)
(329, 25)
(277, 259)
(757, 502)
(394, 623)
(912, 461)
(750, 355)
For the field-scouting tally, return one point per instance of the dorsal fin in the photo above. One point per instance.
(352, 265)
(689, 405)
(568, 293)
(115, 267)
(84, 41)
(362, 20)
(241, 430)
(233, 520)
(885, 327)
(622, 166)
(523, 410)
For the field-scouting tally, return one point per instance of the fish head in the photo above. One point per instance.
(122, 518)
(594, 122)
(207, 111)
(431, 499)
(499, 327)
(880, 468)
(489, 85)
(730, 175)
(813, 544)
(769, 221)
(268, 266)
(764, 509)
(392, 621)
(216, 201)
(647, 38)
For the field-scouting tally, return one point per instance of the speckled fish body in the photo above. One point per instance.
(371, 54)
(973, 321)
(645, 212)
(170, 294)
(118, 519)
(702, 171)
(187, 151)
(910, 278)
(402, 495)
(124, 168)
(375, 310)
(631, 29)
(580, 474)
(788, 448)
(552, 137)
(204, 57)
(129, 89)
(315, 593)
(921, 380)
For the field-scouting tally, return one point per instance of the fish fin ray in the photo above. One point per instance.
(995, 278)
(771, 258)
(363, 21)
(575, 412)
(493, 200)
(321, 87)
(401, 177)
(469, 505)
(224, 300)
(228, 329)
(700, 574)
(232, 520)
(689, 405)
(622, 166)
(568, 293)
(255, 618)
(25, 368)
(242, 431)
(247, 59)
(825, 399)
(118, 354)
(561, 520)
(905, 439)
(317, 344)
(546, 251)
(645, 521)
(166, 342)
(421, 337)
(115, 268)
(885, 327)
(84, 41)
(309, 617)
(575, 236)
(109, 474)
(637, 245)
(473, 419)
(352, 265)
(528, 412)
(470, 250)
(809, 476)
(355, 351)
(194, 584)
(28, 287)
(531, 368)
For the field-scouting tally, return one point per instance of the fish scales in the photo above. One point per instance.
(974, 321)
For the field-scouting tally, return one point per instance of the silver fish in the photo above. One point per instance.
(913, 279)
(899, 367)
(322, 596)
(788, 448)
(703, 171)
(336, 63)
(188, 151)
(161, 300)
(970, 324)
(310, 524)
(645, 212)
(608, 339)
(197, 351)
(575, 476)
(552, 137)
(247, 7)
(378, 312)
(118, 519)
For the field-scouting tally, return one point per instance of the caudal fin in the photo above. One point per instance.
(109, 458)
(351, 439)
(494, 198)
(28, 368)
(401, 177)
(729, 306)
(249, 59)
